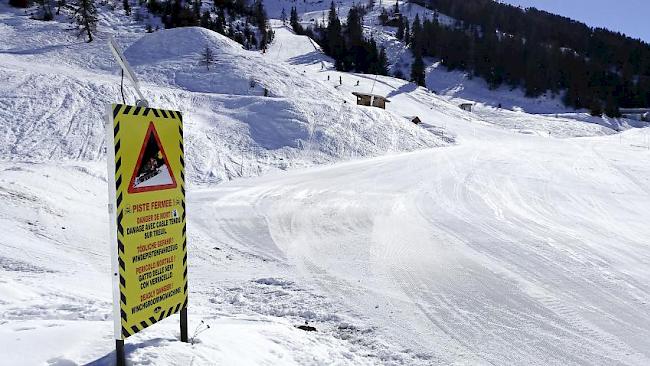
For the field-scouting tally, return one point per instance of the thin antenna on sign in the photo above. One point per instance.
(126, 69)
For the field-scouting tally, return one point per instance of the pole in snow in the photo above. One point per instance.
(124, 64)
(119, 352)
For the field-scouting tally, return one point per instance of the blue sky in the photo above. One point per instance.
(631, 17)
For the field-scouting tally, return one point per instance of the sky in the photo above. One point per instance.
(631, 17)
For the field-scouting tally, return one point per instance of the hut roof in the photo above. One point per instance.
(635, 110)
(360, 94)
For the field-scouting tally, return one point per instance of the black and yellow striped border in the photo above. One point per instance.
(120, 188)
(121, 109)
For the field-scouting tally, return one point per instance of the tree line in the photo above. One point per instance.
(594, 68)
(245, 23)
(81, 12)
(235, 19)
(346, 43)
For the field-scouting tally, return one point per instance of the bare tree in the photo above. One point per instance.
(207, 57)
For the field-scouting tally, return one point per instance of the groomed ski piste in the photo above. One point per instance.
(489, 238)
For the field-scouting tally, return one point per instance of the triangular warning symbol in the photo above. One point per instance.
(152, 171)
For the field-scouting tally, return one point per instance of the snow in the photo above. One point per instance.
(492, 237)
(496, 251)
(234, 130)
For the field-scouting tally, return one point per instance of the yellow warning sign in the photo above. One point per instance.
(147, 173)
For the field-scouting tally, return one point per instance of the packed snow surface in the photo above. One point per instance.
(489, 238)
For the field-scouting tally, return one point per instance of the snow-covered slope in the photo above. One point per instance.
(508, 249)
(55, 110)
(492, 252)
(516, 243)
(456, 86)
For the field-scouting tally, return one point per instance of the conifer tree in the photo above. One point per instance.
(382, 63)
(417, 70)
(417, 36)
(407, 33)
(206, 22)
(335, 43)
(368, 61)
(220, 21)
(85, 15)
(294, 21)
(611, 107)
(354, 27)
(358, 53)
(383, 16)
(126, 6)
(283, 17)
(400, 30)
(196, 6)
(596, 109)
(261, 21)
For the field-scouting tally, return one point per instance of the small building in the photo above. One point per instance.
(414, 119)
(371, 100)
(394, 20)
(466, 106)
(642, 114)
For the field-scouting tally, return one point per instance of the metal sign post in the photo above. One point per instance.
(146, 170)
(126, 68)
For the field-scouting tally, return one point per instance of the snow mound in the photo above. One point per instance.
(177, 43)
(173, 57)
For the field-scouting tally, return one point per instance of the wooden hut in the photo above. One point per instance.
(414, 119)
(394, 20)
(466, 106)
(371, 100)
(642, 114)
